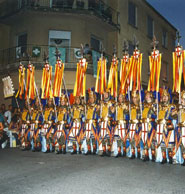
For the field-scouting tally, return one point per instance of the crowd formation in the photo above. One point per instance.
(105, 126)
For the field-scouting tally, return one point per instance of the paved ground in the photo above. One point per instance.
(35, 173)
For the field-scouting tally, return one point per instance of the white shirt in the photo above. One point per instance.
(8, 115)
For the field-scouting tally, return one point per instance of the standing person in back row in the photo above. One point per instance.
(134, 126)
(148, 126)
(76, 125)
(121, 111)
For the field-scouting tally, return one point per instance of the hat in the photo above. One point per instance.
(76, 97)
(122, 94)
(107, 90)
(92, 94)
(148, 92)
(135, 93)
(63, 97)
(165, 93)
(183, 94)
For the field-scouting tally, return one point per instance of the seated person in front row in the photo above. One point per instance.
(3, 136)
(14, 127)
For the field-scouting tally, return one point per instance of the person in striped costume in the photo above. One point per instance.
(61, 126)
(121, 110)
(25, 127)
(134, 126)
(76, 125)
(90, 132)
(105, 125)
(36, 124)
(48, 127)
(165, 128)
(180, 133)
(148, 126)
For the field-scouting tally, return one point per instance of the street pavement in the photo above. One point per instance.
(26, 172)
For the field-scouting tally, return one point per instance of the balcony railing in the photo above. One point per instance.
(96, 7)
(11, 57)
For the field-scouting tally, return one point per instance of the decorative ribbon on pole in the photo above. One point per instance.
(101, 79)
(59, 70)
(113, 77)
(135, 70)
(65, 88)
(135, 73)
(178, 68)
(20, 91)
(80, 84)
(155, 69)
(30, 83)
(124, 73)
(46, 82)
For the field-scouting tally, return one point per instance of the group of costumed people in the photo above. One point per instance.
(128, 122)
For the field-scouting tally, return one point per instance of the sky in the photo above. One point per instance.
(174, 12)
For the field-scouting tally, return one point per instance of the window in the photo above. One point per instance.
(21, 45)
(95, 44)
(166, 72)
(131, 48)
(165, 39)
(118, 18)
(150, 27)
(132, 14)
(173, 42)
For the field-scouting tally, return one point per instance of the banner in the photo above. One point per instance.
(95, 57)
(8, 87)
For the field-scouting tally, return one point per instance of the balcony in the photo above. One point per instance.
(11, 57)
(91, 7)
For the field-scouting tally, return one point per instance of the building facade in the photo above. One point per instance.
(140, 20)
(32, 29)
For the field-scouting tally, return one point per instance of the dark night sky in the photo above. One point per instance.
(174, 12)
